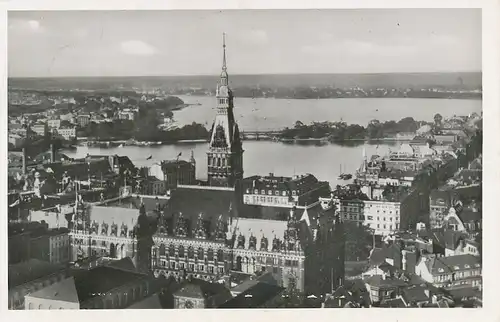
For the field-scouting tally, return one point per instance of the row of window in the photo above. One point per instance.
(262, 199)
(191, 267)
(271, 192)
(383, 218)
(390, 227)
(292, 263)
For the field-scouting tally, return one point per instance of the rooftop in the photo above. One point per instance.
(254, 297)
(30, 270)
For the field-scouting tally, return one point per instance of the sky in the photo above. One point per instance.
(163, 43)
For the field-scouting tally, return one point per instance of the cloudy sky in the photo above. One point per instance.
(140, 43)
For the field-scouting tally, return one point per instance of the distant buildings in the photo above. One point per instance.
(83, 120)
(450, 272)
(283, 191)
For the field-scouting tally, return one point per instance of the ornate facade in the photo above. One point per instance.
(225, 152)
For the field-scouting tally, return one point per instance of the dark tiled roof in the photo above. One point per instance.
(197, 288)
(125, 264)
(456, 263)
(192, 202)
(468, 215)
(30, 270)
(101, 280)
(377, 280)
(397, 302)
(254, 297)
(415, 293)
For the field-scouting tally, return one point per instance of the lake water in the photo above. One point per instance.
(264, 157)
(260, 157)
(270, 113)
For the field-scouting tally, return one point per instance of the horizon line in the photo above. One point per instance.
(262, 74)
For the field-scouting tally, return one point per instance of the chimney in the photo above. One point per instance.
(24, 162)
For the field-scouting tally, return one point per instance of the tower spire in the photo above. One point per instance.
(224, 67)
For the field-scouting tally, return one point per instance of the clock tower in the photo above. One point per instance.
(225, 152)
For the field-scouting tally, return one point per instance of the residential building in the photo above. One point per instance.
(68, 133)
(284, 192)
(174, 172)
(450, 272)
(83, 120)
(54, 123)
(40, 129)
(440, 200)
(51, 245)
(28, 277)
(16, 140)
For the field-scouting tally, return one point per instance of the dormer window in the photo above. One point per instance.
(263, 192)
(456, 267)
(477, 265)
(256, 191)
(248, 190)
(270, 192)
(467, 266)
(441, 270)
(294, 193)
(283, 193)
(277, 193)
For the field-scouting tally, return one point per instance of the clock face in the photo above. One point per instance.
(223, 91)
(188, 305)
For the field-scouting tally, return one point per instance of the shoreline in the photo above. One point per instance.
(324, 141)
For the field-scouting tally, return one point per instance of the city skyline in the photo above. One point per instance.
(327, 41)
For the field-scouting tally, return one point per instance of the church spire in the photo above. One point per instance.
(224, 67)
(223, 76)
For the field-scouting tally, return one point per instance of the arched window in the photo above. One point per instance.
(220, 255)
(112, 250)
(50, 307)
(171, 250)
(162, 250)
(181, 251)
(201, 253)
(190, 252)
(30, 306)
(40, 307)
(210, 254)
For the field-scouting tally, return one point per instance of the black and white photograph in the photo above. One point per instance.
(249, 158)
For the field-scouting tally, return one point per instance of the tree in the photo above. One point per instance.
(299, 125)
(358, 240)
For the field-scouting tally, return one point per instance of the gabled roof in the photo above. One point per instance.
(197, 288)
(64, 291)
(398, 302)
(379, 281)
(258, 228)
(451, 264)
(415, 293)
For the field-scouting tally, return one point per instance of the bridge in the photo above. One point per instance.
(260, 134)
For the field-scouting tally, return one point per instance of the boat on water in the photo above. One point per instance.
(344, 176)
